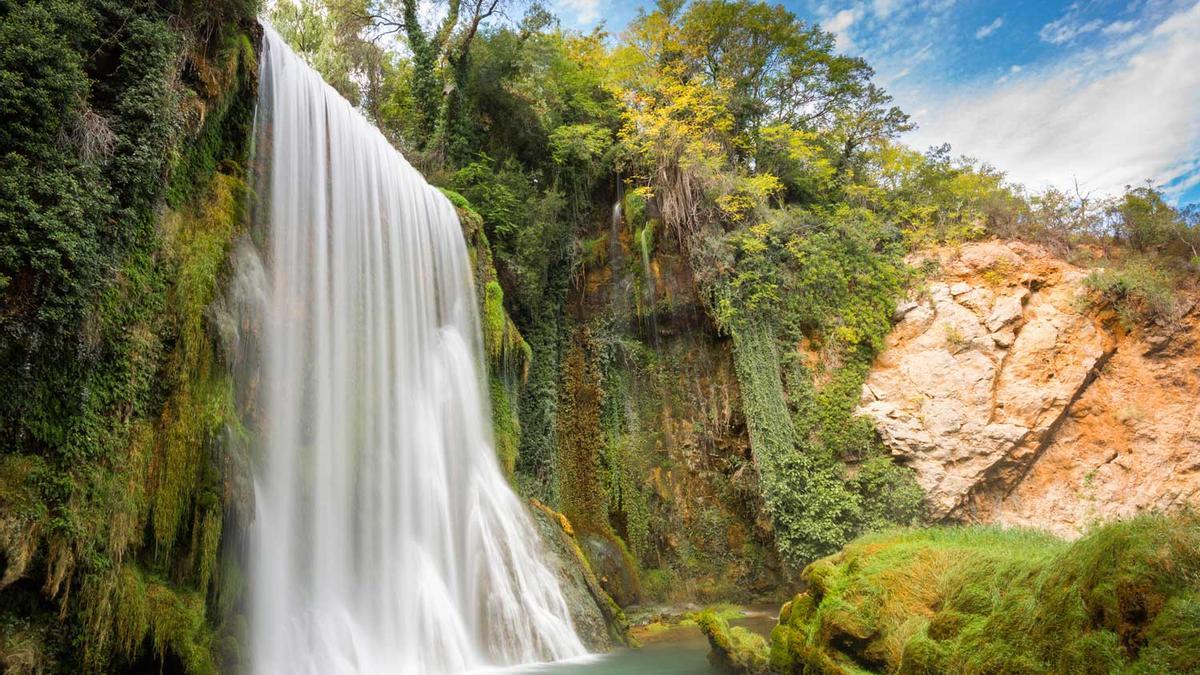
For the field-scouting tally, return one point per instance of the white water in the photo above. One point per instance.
(386, 539)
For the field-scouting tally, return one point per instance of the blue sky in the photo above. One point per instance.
(1103, 93)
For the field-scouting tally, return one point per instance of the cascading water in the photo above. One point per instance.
(386, 538)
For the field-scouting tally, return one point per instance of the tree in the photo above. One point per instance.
(1143, 219)
(777, 68)
(332, 37)
(440, 58)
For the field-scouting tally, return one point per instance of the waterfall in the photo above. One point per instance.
(386, 539)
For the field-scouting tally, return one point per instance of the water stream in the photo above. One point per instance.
(386, 537)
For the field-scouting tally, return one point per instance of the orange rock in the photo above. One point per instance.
(1015, 407)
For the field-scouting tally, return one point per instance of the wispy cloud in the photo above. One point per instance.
(1119, 27)
(1069, 26)
(1110, 116)
(884, 8)
(987, 30)
(578, 12)
(839, 24)
(1011, 72)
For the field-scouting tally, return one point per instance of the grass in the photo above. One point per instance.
(1125, 598)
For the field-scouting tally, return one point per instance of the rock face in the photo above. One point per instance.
(1015, 406)
(598, 621)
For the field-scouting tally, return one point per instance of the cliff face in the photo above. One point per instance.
(652, 450)
(1017, 405)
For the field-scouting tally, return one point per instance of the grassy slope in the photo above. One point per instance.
(1125, 598)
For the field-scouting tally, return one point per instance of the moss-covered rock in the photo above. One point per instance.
(116, 475)
(733, 650)
(598, 619)
(986, 600)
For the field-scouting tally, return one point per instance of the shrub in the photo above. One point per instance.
(1139, 289)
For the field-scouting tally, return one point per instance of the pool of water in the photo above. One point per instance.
(681, 650)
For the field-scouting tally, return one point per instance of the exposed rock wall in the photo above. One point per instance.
(1016, 405)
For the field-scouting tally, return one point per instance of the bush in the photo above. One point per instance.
(1138, 289)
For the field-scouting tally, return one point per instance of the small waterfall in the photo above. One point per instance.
(614, 257)
(645, 243)
(386, 538)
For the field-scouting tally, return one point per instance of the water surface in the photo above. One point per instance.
(681, 650)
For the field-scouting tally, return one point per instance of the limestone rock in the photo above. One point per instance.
(598, 621)
(1012, 406)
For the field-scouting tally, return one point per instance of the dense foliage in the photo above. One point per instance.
(757, 179)
(116, 483)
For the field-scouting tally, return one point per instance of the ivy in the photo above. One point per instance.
(808, 303)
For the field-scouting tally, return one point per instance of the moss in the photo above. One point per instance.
(466, 212)
(179, 627)
(984, 600)
(494, 320)
(201, 403)
(509, 356)
(505, 424)
(580, 441)
(219, 109)
(633, 208)
(732, 650)
(617, 624)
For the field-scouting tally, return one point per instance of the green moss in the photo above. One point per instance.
(985, 600)
(494, 320)
(467, 212)
(179, 627)
(633, 209)
(201, 403)
(505, 424)
(732, 650)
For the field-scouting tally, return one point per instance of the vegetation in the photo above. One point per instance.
(732, 650)
(678, 378)
(738, 142)
(116, 476)
(1124, 598)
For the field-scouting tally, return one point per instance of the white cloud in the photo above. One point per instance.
(839, 24)
(1068, 27)
(1007, 76)
(1110, 118)
(1119, 27)
(987, 30)
(884, 8)
(578, 12)
(841, 21)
